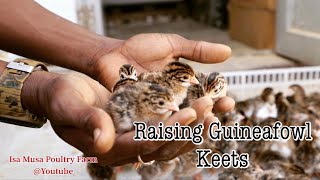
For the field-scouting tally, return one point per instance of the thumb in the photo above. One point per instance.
(87, 128)
(99, 125)
(200, 51)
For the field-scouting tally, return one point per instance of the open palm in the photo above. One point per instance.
(151, 52)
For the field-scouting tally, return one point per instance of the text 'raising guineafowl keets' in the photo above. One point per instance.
(218, 132)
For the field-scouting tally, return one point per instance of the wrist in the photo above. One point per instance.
(33, 91)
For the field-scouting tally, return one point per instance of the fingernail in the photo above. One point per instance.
(192, 116)
(190, 120)
(96, 134)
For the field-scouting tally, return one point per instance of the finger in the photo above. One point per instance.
(99, 124)
(94, 121)
(191, 146)
(203, 106)
(210, 119)
(166, 152)
(200, 51)
(171, 149)
(82, 142)
(126, 149)
(183, 117)
(224, 104)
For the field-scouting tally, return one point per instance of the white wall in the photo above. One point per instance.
(65, 9)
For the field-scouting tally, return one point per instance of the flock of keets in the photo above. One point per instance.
(153, 97)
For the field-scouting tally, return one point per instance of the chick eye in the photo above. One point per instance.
(216, 90)
(122, 76)
(161, 103)
(135, 74)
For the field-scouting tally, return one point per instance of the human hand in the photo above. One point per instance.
(151, 52)
(73, 105)
(126, 149)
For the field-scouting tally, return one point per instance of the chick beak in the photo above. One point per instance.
(194, 80)
(173, 107)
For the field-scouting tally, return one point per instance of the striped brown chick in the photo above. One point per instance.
(187, 166)
(121, 83)
(212, 85)
(127, 74)
(158, 170)
(176, 76)
(141, 101)
(144, 102)
(98, 172)
(283, 107)
(299, 95)
(128, 71)
(250, 173)
(215, 86)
